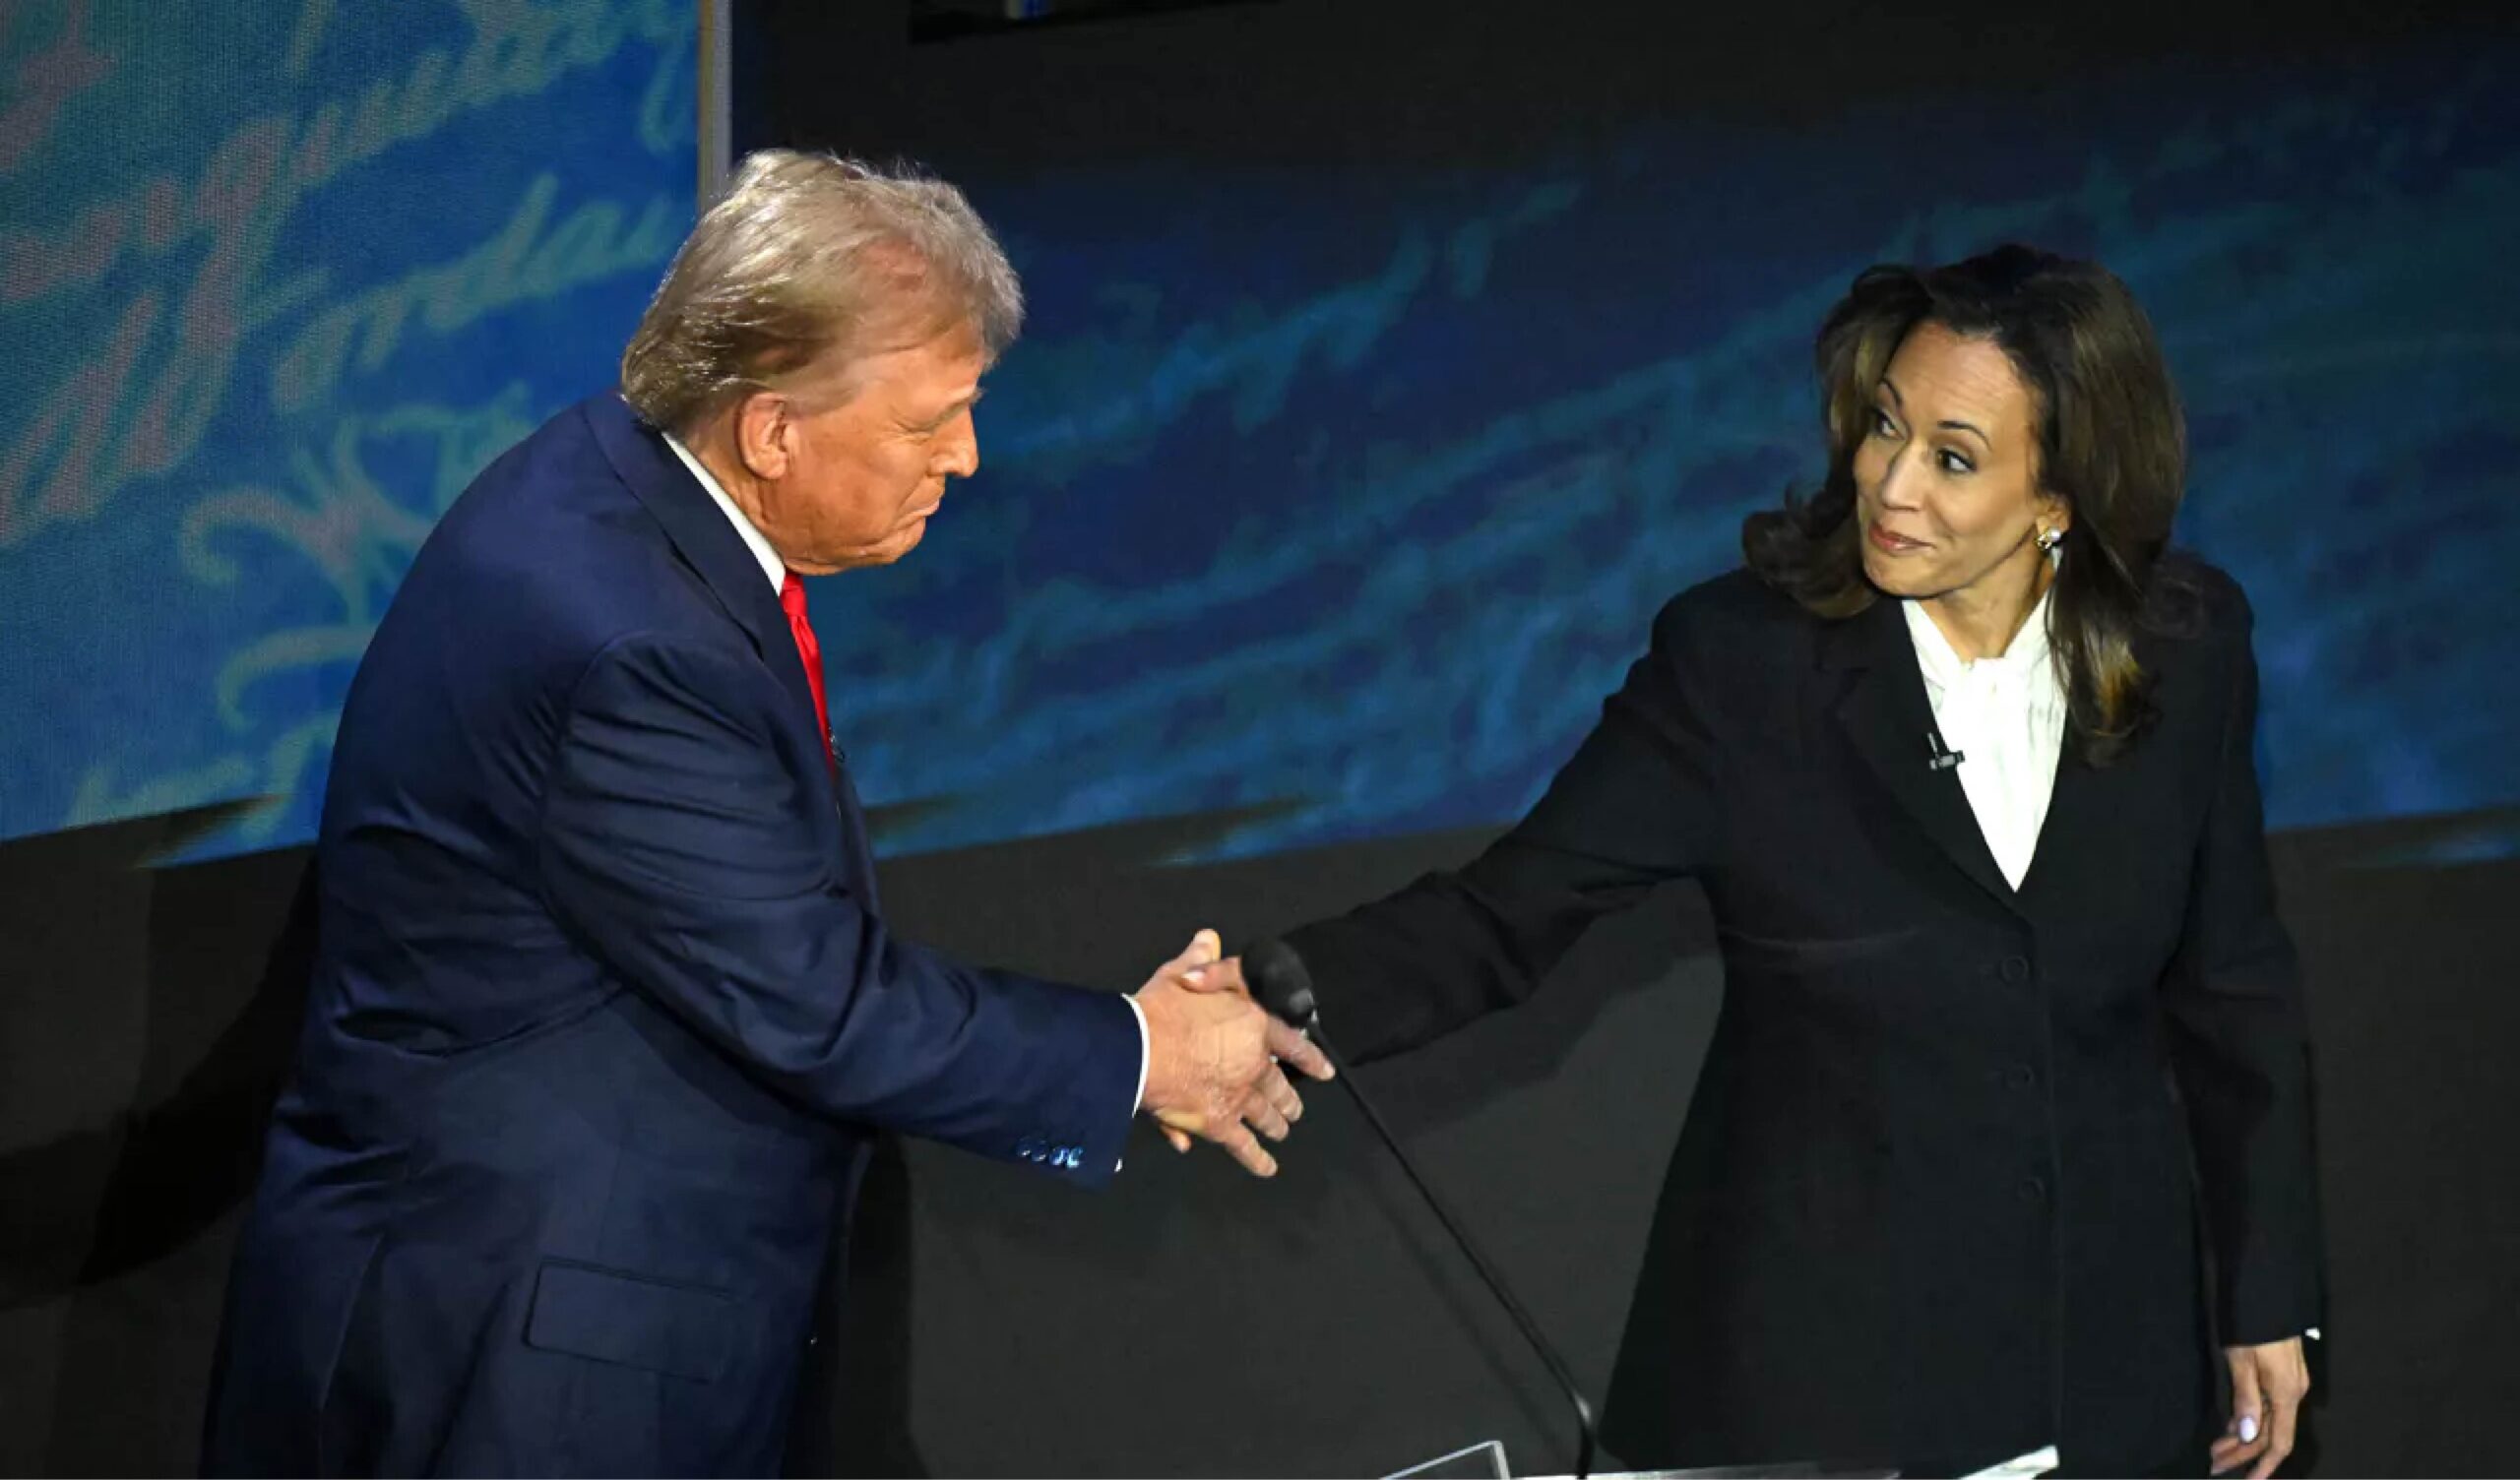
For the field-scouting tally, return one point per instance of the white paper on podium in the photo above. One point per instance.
(2037, 1462)
(1485, 1459)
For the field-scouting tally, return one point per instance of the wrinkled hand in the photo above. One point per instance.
(1211, 1058)
(2268, 1384)
(1273, 1104)
(1208, 1057)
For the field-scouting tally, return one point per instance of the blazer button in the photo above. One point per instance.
(2033, 1190)
(1029, 1149)
(2021, 1076)
(2016, 969)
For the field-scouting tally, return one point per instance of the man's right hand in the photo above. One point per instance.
(1207, 1059)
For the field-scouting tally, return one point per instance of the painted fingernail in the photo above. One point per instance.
(2249, 1428)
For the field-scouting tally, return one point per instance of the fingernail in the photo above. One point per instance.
(2249, 1428)
(1194, 973)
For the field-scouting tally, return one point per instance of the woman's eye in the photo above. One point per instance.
(1882, 425)
(1954, 463)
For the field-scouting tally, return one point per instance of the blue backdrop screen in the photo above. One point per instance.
(277, 277)
(1354, 490)
(1345, 494)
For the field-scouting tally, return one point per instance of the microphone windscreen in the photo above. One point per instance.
(1279, 980)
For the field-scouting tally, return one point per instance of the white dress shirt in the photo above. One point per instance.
(775, 570)
(2005, 717)
(771, 565)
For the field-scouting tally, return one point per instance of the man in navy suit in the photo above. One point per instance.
(604, 1008)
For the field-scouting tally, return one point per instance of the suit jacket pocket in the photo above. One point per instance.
(632, 1321)
(1808, 952)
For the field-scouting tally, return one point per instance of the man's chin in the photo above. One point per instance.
(892, 548)
(904, 540)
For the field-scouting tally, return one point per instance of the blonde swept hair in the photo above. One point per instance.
(808, 263)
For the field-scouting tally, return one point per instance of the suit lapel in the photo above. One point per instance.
(1887, 721)
(2098, 819)
(2070, 814)
(700, 533)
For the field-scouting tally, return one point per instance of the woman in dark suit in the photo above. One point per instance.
(2011, 1069)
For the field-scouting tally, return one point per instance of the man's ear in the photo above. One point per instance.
(765, 430)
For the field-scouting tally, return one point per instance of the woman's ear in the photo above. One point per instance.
(2056, 515)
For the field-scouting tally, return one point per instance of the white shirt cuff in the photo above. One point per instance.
(1145, 1052)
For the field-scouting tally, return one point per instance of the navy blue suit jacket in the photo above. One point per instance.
(605, 1011)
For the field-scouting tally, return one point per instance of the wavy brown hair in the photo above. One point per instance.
(2113, 444)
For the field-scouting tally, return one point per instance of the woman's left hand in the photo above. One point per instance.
(2268, 1384)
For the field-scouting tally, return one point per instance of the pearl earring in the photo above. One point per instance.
(2048, 540)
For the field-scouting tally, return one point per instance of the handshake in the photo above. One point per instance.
(1213, 1058)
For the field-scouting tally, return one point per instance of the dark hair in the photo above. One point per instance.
(2112, 444)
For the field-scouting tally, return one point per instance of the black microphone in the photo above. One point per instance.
(1279, 981)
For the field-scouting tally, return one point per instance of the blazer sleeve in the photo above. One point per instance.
(677, 846)
(1632, 808)
(2240, 1045)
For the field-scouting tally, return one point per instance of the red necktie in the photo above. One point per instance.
(791, 595)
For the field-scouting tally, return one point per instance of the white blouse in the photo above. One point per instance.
(2005, 719)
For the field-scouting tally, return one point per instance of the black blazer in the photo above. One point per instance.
(1935, 1198)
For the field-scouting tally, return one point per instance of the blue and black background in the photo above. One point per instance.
(1388, 364)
